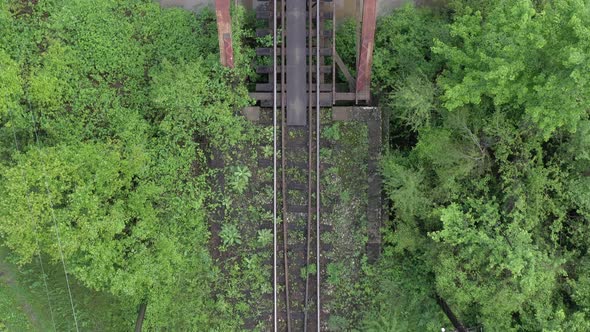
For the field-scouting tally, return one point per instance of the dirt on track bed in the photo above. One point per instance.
(245, 282)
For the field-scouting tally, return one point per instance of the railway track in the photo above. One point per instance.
(298, 38)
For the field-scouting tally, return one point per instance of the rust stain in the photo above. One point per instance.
(363, 80)
(224, 32)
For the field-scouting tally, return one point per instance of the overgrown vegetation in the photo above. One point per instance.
(487, 170)
(346, 192)
(110, 104)
(111, 111)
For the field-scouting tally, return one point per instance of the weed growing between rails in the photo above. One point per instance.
(241, 225)
(241, 229)
(344, 189)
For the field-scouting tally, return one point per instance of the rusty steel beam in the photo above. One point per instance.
(224, 32)
(363, 79)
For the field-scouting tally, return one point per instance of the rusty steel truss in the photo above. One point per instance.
(353, 90)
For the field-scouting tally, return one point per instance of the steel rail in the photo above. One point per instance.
(284, 166)
(309, 162)
(318, 303)
(274, 116)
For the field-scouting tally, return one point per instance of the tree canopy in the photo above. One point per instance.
(109, 111)
(105, 101)
(487, 174)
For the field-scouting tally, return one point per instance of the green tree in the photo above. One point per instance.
(120, 95)
(11, 88)
(488, 178)
(522, 59)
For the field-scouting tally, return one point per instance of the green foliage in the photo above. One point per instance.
(404, 66)
(581, 294)
(11, 318)
(521, 58)
(332, 132)
(230, 235)
(404, 299)
(402, 46)
(91, 180)
(308, 270)
(43, 309)
(126, 98)
(495, 253)
(414, 101)
(405, 187)
(239, 178)
(346, 44)
(265, 237)
(10, 85)
(266, 41)
(487, 178)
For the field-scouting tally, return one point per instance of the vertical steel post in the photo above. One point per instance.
(222, 10)
(363, 80)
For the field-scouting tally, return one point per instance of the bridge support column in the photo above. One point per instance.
(363, 79)
(224, 32)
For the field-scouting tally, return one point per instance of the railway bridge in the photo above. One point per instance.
(306, 76)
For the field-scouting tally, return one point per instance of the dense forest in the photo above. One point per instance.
(488, 168)
(100, 105)
(110, 110)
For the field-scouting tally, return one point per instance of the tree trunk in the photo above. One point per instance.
(140, 317)
(447, 310)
